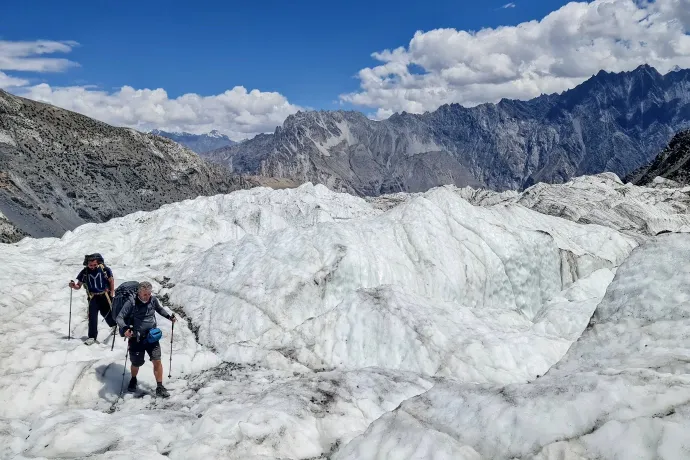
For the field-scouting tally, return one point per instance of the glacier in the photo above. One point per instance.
(454, 323)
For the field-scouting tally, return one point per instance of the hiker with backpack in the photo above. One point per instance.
(138, 320)
(99, 283)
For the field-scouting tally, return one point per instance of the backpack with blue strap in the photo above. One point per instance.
(128, 291)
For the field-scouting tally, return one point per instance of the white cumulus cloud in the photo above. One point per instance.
(236, 112)
(8, 82)
(551, 55)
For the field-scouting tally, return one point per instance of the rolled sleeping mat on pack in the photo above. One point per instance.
(95, 255)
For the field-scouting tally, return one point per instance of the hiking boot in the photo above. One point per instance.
(132, 384)
(161, 391)
(90, 341)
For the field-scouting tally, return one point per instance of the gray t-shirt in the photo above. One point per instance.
(141, 315)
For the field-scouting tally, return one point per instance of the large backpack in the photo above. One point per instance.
(95, 255)
(124, 292)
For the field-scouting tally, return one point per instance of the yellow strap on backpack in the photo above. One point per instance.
(86, 285)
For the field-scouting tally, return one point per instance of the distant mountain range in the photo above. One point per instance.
(60, 169)
(613, 122)
(198, 143)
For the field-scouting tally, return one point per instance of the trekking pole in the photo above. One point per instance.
(172, 331)
(69, 325)
(122, 385)
(113, 345)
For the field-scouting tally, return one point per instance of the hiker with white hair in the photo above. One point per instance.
(138, 319)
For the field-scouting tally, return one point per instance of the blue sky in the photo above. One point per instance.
(308, 51)
(308, 54)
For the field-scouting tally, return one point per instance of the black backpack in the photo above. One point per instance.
(123, 293)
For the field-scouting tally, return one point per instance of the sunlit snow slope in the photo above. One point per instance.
(310, 316)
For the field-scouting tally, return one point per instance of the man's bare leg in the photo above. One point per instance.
(158, 370)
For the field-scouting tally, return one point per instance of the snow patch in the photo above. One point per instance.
(6, 138)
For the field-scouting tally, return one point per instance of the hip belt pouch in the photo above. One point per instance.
(154, 335)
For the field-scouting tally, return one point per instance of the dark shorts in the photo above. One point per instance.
(137, 349)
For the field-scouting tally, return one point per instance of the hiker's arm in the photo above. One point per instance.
(161, 311)
(124, 312)
(80, 279)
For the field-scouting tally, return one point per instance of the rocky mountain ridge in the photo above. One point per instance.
(613, 122)
(60, 169)
(673, 163)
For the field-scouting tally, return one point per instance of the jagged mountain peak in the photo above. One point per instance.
(611, 122)
(646, 68)
(198, 143)
(643, 72)
(321, 116)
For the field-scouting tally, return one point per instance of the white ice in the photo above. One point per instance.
(622, 391)
(308, 317)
